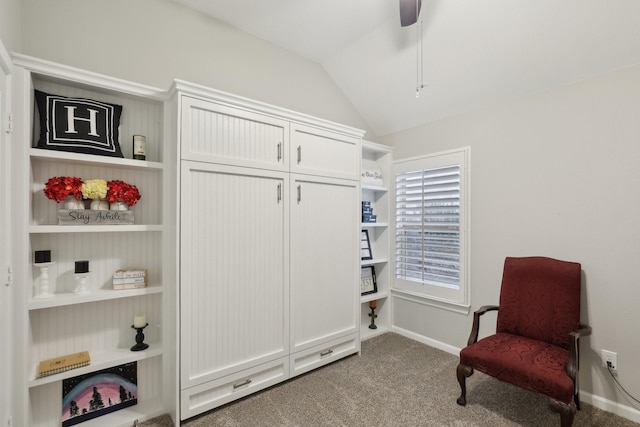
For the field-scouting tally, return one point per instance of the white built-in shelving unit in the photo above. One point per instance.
(98, 322)
(377, 157)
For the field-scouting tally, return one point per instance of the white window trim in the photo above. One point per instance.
(454, 300)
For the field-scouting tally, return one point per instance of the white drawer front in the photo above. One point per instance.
(315, 357)
(204, 397)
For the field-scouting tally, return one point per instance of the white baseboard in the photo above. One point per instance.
(425, 340)
(599, 402)
(619, 409)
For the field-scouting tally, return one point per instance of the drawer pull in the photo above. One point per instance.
(299, 154)
(243, 383)
(326, 353)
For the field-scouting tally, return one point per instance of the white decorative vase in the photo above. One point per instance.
(119, 206)
(73, 204)
(99, 205)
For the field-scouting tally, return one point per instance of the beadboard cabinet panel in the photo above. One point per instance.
(320, 152)
(247, 169)
(216, 133)
(324, 264)
(233, 274)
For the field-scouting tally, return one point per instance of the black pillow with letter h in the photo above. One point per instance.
(78, 125)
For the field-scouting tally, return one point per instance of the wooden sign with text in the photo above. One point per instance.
(90, 217)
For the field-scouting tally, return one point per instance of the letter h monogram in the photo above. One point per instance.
(71, 118)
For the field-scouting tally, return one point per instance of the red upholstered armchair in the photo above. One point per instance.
(536, 344)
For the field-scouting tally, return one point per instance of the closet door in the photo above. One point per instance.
(324, 261)
(234, 270)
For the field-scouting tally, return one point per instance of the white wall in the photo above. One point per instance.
(556, 174)
(10, 24)
(155, 41)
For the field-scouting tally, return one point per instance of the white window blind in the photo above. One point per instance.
(431, 226)
(428, 226)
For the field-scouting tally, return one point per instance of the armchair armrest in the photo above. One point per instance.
(473, 337)
(573, 363)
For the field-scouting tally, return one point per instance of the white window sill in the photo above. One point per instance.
(431, 301)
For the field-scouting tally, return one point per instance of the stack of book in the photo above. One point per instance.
(130, 279)
(367, 212)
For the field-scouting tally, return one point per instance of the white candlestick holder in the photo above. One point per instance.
(42, 290)
(81, 283)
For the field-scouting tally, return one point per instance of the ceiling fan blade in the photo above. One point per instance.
(409, 11)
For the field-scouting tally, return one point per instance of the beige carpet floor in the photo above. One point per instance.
(394, 382)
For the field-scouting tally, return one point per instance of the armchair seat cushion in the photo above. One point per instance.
(528, 363)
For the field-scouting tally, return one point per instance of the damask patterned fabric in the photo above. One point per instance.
(540, 299)
(539, 307)
(531, 364)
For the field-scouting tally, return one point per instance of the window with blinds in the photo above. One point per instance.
(430, 226)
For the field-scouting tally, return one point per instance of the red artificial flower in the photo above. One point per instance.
(120, 190)
(59, 187)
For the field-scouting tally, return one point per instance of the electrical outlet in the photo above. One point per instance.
(611, 358)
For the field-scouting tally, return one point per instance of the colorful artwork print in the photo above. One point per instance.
(98, 393)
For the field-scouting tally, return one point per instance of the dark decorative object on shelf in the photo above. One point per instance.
(373, 315)
(365, 245)
(42, 256)
(367, 212)
(82, 267)
(78, 125)
(368, 282)
(140, 345)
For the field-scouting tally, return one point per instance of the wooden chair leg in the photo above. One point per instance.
(567, 412)
(463, 372)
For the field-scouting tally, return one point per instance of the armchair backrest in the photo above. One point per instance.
(540, 299)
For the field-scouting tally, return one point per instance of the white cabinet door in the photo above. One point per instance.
(320, 152)
(217, 133)
(324, 260)
(234, 270)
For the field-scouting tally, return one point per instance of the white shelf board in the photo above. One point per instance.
(90, 159)
(100, 360)
(376, 296)
(374, 224)
(374, 187)
(51, 229)
(367, 262)
(59, 300)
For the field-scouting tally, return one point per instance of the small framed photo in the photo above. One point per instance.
(368, 284)
(365, 245)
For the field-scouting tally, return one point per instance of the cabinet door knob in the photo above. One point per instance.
(299, 193)
(279, 151)
(279, 192)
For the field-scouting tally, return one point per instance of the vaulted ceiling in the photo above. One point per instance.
(475, 52)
